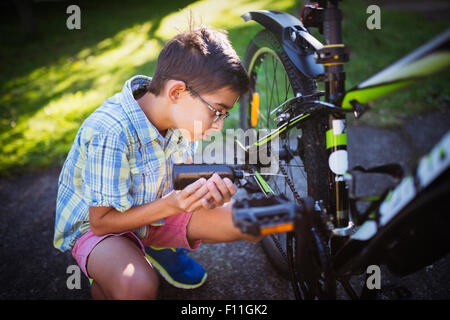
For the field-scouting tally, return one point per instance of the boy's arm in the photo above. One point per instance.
(104, 220)
(106, 183)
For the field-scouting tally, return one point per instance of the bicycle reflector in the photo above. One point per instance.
(312, 16)
(254, 109)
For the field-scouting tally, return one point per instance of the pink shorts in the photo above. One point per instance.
(171, 235)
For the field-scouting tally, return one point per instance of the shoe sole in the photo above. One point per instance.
(170, 280)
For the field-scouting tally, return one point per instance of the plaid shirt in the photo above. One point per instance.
(118, 159)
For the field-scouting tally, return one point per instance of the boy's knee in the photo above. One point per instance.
(139, 286)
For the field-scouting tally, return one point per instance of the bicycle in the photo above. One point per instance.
(316, 236)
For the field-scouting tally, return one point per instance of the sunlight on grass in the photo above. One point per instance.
(217, 13)
(42, 111)
(100, 76)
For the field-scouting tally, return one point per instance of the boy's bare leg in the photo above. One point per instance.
(215, 226)
(96, 292)
(121, 271)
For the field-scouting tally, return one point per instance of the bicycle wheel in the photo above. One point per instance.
(273, 80)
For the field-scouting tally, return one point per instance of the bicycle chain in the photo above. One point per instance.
(278, 245)
(295, 279)
(298, 200)
(297, 196)
(291, 185)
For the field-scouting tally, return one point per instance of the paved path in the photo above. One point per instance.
(32, 269)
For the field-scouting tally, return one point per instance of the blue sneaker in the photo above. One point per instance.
(176, 267)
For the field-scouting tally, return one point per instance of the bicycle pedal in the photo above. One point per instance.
(261, 215)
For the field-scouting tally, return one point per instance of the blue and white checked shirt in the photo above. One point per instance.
(118, 159)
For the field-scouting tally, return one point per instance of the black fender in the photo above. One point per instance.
(295, 39)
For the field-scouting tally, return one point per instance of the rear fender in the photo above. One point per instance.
(297, 42)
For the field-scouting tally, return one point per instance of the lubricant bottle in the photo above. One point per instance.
(185, 174)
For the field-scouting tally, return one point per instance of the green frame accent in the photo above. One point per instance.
(335, 140)
(397, 76)
(365, 95)
(275, 133)
(263, 183)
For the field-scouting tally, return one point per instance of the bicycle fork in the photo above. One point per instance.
(333, 56)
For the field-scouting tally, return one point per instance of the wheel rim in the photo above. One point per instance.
(270, 80)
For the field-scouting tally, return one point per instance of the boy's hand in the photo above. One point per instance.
(202, 193)
(190, 198)
(220, 192)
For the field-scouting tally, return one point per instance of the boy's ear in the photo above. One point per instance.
(174, 90)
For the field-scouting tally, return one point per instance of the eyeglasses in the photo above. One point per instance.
(219, 114)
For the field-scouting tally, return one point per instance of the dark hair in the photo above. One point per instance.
(204, 59)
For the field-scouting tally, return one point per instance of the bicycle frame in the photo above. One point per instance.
(288, 30)
(301, 47)
(364, 240)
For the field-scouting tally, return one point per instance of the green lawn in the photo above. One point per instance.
(372, 50)
(49, 86)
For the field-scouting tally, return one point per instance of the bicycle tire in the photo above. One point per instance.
(312, 149)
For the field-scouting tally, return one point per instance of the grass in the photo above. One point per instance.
(373, 50)
(50, 85)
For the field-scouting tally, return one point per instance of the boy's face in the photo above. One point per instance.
(195, 118)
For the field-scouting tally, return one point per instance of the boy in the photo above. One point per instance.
(114, 192)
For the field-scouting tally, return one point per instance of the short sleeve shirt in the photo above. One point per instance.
(118, 159)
